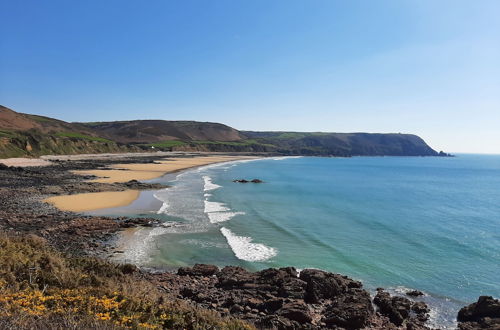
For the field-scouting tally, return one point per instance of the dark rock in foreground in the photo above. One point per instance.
(284, 299)
(401, 310)
(198, 270)
(483, 314)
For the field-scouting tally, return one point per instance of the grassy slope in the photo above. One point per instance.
(33, 143)
(40, 288)
(82, 136)
(344, 144)
(52, 136)
(15, 144)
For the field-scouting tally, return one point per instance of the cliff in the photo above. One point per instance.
(32, 135)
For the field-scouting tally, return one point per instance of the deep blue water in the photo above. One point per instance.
(397, 222)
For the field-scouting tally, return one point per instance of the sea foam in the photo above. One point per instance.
(138, 248)
(215, 207)
(244, 249)
(217, 212)
(209, 185)
(163, 208)
(216, 217)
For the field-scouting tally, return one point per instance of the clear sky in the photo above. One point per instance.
(429, 67)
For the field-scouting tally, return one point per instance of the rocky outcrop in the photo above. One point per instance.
(198, 270)
(247, 181)
(284, 299)
(414, 293)
(483, 314)
(401, 311)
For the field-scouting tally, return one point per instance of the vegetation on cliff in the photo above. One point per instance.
(31, 135)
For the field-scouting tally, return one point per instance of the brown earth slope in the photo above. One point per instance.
(15, 121)
(149, 131)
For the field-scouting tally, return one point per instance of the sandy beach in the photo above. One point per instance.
(127, 172)
(93, 201)
(120, 173)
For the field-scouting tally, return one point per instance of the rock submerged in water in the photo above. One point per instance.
(246, 181)
(483, 314)
(284, 299)
(414, 293)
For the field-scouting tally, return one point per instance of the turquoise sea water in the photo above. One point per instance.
(431, 224)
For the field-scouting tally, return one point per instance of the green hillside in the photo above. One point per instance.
(33, 135)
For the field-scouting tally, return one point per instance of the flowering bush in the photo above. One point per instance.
(39, 286)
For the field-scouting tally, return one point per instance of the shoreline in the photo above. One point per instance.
(300, 301)
(132, 172)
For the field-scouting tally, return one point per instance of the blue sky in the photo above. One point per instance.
(428, 67)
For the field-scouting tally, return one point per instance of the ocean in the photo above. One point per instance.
(426, 223)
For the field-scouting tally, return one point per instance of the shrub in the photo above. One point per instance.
(41, 288)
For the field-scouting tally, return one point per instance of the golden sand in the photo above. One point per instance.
(127, 172)
(93, 201)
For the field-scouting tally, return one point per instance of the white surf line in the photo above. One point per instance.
(218, 212)
(244, 249)
(216, 217)
(209, 185)
(163, 208)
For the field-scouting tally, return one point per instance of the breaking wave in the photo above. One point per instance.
(209, 185)
(216, 217)
(244, 249)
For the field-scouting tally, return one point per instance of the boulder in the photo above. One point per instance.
(272, 305)
(246, 181)
(414, 293)
(483, 314)
(296, 311)
(234, 277)
(399, 309)
(350, 311)
(323, 285)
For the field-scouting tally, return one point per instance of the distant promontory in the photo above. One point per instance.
(33, 135)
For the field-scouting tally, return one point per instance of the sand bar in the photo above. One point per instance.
(127, 172)
(93, 201)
